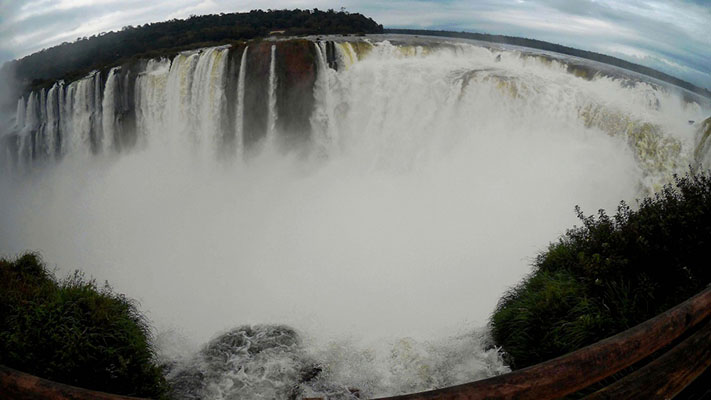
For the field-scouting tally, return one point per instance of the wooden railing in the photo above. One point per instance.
(16, 385)
(682, 334)
(580, 369)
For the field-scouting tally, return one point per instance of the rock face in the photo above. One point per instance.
(296, 74)
(249, 362)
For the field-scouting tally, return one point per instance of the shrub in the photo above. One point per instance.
(74, 332)
(610, 274)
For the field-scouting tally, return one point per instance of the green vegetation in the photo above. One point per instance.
(73, 60)
(610, 274)
(73, 332)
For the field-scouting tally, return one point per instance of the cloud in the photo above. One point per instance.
(673, 36)
(558, 22)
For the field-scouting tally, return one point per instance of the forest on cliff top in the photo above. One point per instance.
(76, 59)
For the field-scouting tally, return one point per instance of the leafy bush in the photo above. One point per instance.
(74, 332)
(610, 274)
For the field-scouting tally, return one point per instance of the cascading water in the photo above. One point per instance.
(322, 119)
(208, 98)
(430, 176)
(239, 118)
(272, 100)
(108, 107)
(52, 125)
(179, 94)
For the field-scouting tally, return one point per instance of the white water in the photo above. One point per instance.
(31, 122)
(52, 128)
(439, 175)
(271, 102)
(108, 107)
(239, 124)
(82, 110)
(208, 97)
(178, 123)
(20, 118)
(322, 123)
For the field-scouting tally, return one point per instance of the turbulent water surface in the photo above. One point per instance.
(380, 215)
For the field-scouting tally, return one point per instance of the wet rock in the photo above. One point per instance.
(261, 361)
(296, 74)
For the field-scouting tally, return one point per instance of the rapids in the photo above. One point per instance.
(380, 212)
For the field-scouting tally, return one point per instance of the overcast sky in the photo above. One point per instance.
(672, 36)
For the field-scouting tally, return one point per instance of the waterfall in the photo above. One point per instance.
(28, 134)
(172, 101)
(207, 96)
(321, 121)
(108, 107)
(239, 115)
(97, 135)
(184, 100)
(179, 94)
(66, 120)
(150, 103)
(39, 150)
(32, 119)
(63, 128)
(322, 51)
(346, 55)
(272, 111)
(81, 113)
(20, 115)
(69, 141)
(53, 121)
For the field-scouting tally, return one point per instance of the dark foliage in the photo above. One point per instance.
(610, 274)
(73, 332)
(72, 60)
(540, 44)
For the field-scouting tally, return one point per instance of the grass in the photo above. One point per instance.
(609, 274)
(74, 332)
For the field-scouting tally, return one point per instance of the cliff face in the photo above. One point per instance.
(296, 75)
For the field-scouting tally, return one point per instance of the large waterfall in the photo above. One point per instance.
(376, 194)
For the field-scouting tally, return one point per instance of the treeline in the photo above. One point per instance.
(70, 60)
(539, 44)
